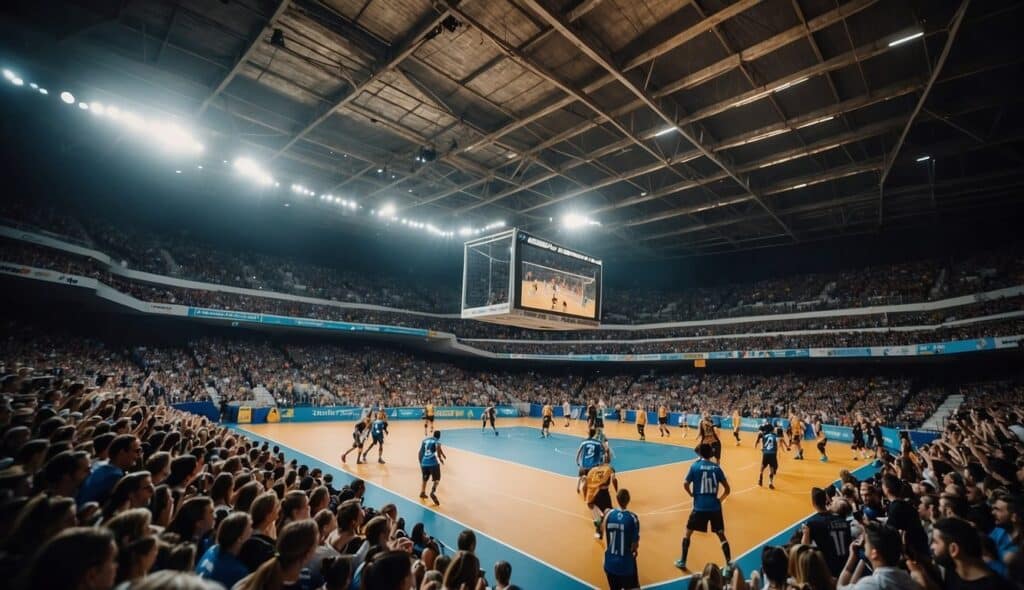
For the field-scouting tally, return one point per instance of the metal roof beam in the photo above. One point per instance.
(243, 58)
(410, 44)
(954, 28)
(598, 55)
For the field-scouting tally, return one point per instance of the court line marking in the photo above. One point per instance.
(556, 474)
(757, 546)
(431, 509)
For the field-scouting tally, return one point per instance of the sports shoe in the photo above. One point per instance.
(597, 535)
(423, 495)
(344, 459)
(381, 461)
(433, 497)
(727, 570)
(495, 433)
(823, 459)
(771, 485)
(680, 564)
(760, 481)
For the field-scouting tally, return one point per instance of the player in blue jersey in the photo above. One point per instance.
(378, 429)
(622, 541)
(431, 458)
(589, 455)
(769, 438)
(702, 483)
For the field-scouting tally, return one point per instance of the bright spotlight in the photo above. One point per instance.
(575, 221)
(33, 86)
(67, 97)
(387, 210)
(9, 75)
(173, 137)
(83, 106)
(251, 169)
(97, 108)
(903, 40)
(18, 82)
(465, 231)
(114, 113)
(43, 91)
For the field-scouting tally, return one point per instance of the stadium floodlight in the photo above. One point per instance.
(83, 106)
(43, 91)
(665, 131)
(801, 185)
(924, 158)
(254, 171)
(465, 231)
(575, 220)
(114, 112)
(97, 108)
(903, 40)
(18, 82)
(388, 210)
(380, 170)
(33, 86)
(67, 97)
(175, 138)
(9, 75)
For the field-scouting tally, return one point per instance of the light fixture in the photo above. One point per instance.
(801, 185)
(18, 82)
(387, 210)
(177, 171)
(9, 75)
(83, 106)
(575, 220)
(816, 121)
(43, 91)
(665, 131)
(782, 87)
(67, 97)
(96, 108)
(380, 170)
(251, 169)
(924, 158)
(33, 86)
(903, 40)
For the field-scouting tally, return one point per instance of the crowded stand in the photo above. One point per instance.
(183, 256)
(821, 332)
(106, 484)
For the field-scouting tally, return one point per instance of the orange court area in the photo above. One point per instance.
(567, 302)
(538, 511)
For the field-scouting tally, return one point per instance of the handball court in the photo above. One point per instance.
(567, 302)
(517, 491)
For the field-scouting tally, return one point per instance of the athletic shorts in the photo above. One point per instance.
(622, 582)
(770, 461)
(858, 443)
(429, 419)
(431, 472)
(602, 500)
(378, 439)
(547, 421)
(699, 521)
(584, 471)
(662, 419)
(357, 441)
(640, 428)
(716, 449)
(822, 443)
(599, 423)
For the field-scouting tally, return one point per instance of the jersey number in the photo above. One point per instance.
(708, 483)
(616, 539)
(839, 539)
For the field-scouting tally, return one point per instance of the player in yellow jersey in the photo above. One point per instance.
(707, 434)
(547, 415)
(797, 426)
(736, 426)
(641, 422)
(663, 421)
(428, 418)
(598, 498)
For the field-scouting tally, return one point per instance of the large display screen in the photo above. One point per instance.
(555, 279)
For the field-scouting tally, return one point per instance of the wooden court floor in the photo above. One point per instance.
(542, 300)
(539, 512)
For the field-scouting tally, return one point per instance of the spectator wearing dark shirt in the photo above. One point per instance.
(903, 517)
(261, 545)
(830, 532)
(957, 547)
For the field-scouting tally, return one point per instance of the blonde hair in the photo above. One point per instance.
(812, 570)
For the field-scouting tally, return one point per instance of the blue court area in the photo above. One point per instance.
(557, 453)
